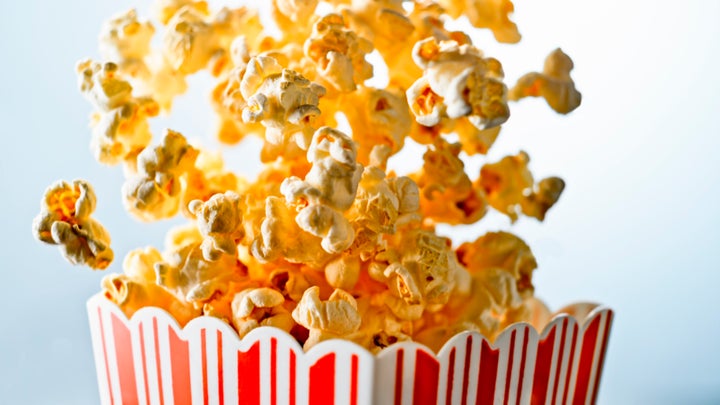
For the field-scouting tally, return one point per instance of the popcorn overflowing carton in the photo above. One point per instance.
(149, 359)
(323, 279)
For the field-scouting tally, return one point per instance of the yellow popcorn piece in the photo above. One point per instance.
(492, 14)
(131, 294)
(554, 84)
(119, 125)
(125, 40)
(139, 264)
(164, 10)
(194, 279)
(457, 82)
(256, 307)
(64, 220)
(337, 316)
(285, 103)
(219, 220)
(501, 250)
(328, 189)
(339, 54)
(510, 188)
(447, 194)
(378, 117)
(154, 192)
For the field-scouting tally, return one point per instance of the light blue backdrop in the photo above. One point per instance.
(637, 228)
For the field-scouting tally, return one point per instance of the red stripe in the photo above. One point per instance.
(273, 371)
(180, 362)
(322, 380)
(427, 371)
(508, 373)
(521, 377)
(560, 354)
(487, 377)
(126, 366)
(542, 368)
(570, 363)
(157, 362)
(221, 389)
(105, 356)
(587, 353)
(354, 379)
(203, 349)
(292, 377)
(606, 334)
(450, 377)
(398, 376)
(144, 363)
(466, 372)
(249, 375)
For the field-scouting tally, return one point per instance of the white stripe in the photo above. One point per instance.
(265, 372)
(195, 354)
(554, 360)
(138, 363)
(112, 355)
(366, 372)
(302, 380)
(230, 368)
(572, 368)
(459, 371)
(283, 372)
(150, 364)
(408, 375)
(596, 357)
(385, 376)
(502, 343)
(212, 366)
(342, 377)
(442, 378)
(165, 360)
(474, 371)
(517, 358)
(530, 359)
(97, 343)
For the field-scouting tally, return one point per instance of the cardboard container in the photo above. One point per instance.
(150, 360)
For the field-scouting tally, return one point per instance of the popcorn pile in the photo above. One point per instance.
(326, 242)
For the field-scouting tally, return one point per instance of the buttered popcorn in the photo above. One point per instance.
(326, 242)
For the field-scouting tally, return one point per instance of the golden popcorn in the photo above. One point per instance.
(120, 126)
(64, 220)
(510, 188)
(492, 14)
(154, 191)
(326, 241)
(554, 84)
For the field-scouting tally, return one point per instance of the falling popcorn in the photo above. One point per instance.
(326, 241)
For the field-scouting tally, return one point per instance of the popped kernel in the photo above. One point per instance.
(510, 188)
(554, 84)
(154, 191)
(326, 241)
(64, 220)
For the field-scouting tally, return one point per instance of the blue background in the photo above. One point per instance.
(637, 228)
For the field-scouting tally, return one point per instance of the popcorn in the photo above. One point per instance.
(339, 53)
(326, 319)
(553, 84)
(284, 102)
(492, 14)
(64, 220)
(120, 126)
(457, 82)
(220, 222)
(154, 191)
(510, 188)
(325, 242)
(259, 307)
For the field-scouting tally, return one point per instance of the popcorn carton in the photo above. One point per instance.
(149, 359)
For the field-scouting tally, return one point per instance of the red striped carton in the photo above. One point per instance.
(148, 359)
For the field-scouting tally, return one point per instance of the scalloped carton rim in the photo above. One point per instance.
(149, 359)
